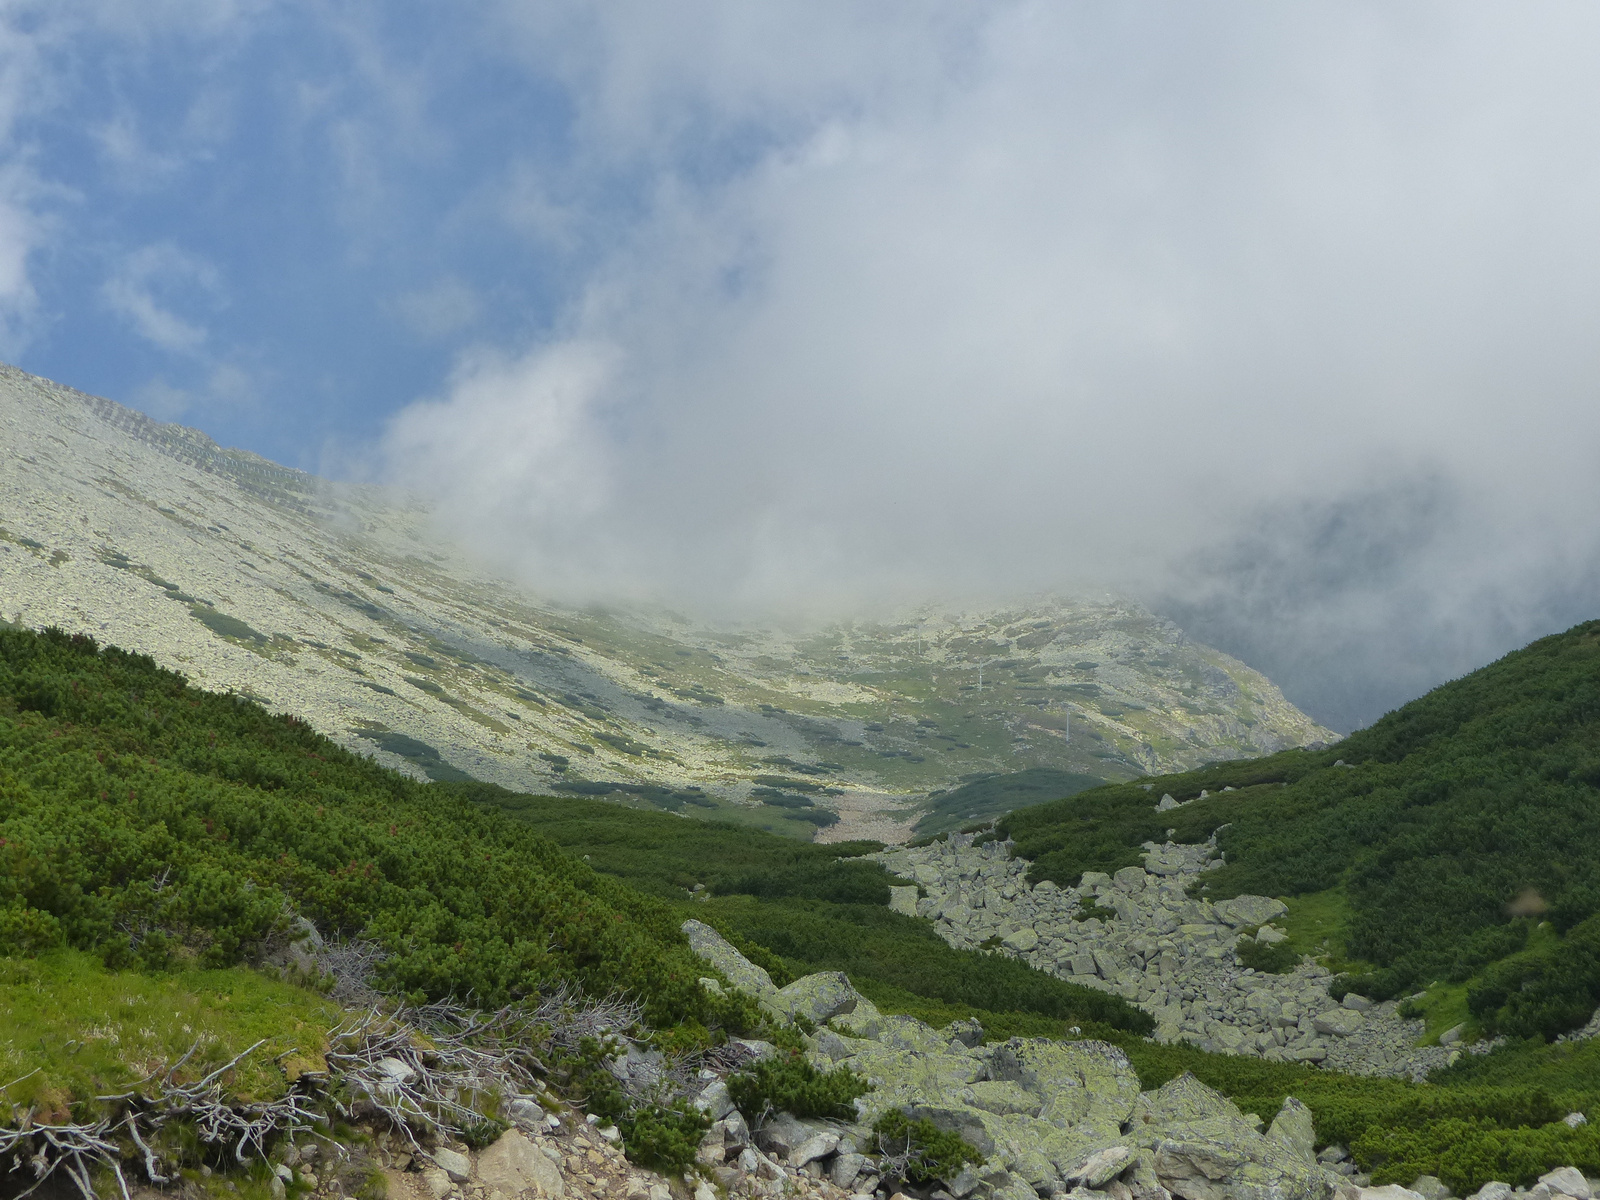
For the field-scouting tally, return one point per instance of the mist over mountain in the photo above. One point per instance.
(1277, 318)
(340, 604)
(1358, 604)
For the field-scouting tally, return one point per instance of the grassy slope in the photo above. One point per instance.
(73, 1029)
(158, 825)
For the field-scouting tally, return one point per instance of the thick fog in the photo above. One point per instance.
(1284, 318)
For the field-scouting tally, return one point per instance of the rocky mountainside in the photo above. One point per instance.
(339, 603)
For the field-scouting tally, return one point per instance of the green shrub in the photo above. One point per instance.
(146, 821)
(787, 1082)
(664, 1137)
(930, 1154)
(1274, 958)
(1541, 992)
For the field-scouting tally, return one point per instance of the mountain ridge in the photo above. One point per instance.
(338, 602)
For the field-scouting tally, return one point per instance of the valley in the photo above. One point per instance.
(340, 603)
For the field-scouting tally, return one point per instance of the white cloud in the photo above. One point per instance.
(953, 299)
(139, 288)
(225, 385)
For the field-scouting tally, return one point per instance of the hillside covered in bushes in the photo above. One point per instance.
(1454, 839)
(154, 831)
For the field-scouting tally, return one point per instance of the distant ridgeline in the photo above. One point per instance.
(1457, 837)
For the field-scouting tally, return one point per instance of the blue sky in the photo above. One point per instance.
(1281, 317)
(274, 222)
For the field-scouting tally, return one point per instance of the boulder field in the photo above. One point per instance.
(1139, 935)
(1062, 1120)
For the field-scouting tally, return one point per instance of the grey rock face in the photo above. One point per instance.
(1567, 1181)
(515, 1167)
(739, 970)
(818, 997)
(1293, 1128)
(1205, 1149)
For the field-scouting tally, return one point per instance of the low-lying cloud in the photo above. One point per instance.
(1280, 317)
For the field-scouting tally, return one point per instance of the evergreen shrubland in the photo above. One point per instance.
(1452, 826)
(150, 829)
(153, 824)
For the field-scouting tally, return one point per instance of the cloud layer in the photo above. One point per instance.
(1280, 317)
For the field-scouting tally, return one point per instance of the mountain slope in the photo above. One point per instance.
(1444, 837)
(338, 603)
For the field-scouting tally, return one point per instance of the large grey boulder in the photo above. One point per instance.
(903, 900)
(816, 997)
(735, 967)
(1082, 1086)
(1567, 1181)
(519, 1170)
(1204, 1148)
(785, 1133)
(1293, 1128)
(1338, 1022)
(1249, 910)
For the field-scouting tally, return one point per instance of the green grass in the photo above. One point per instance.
(70, 1028)
(1316, 924)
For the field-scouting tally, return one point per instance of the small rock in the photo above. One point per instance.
(818, 1145)
(1392, 1191)
(1338, 1022)
(457, 1166)
(281, 1171)
(847, 1168)
(1574, 1119)
(526, 1113)
(1101, 1167)
(1431, 1187)
(277, 1189)
(395, 1071)
(1493, 1190)
(1359, 1004)
(964, 1184)
(434, 1179)
(1452, 1035)
(715, 1101)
